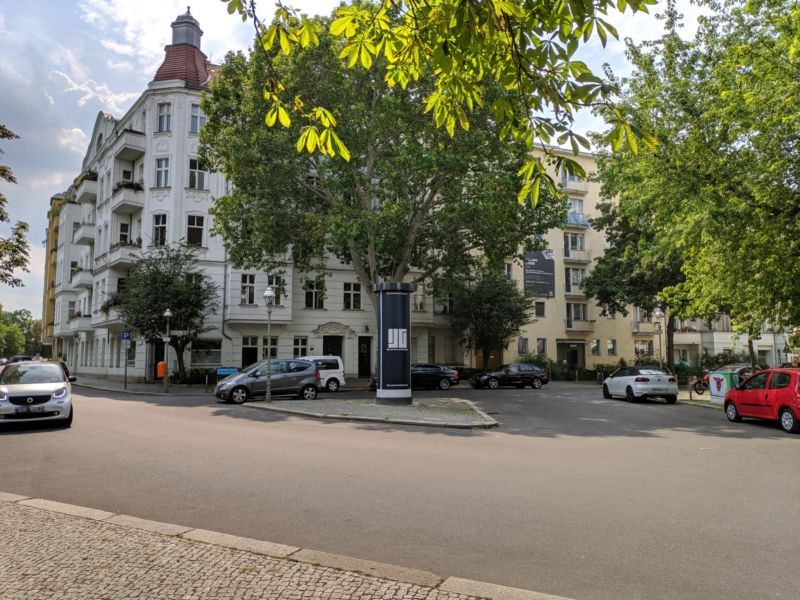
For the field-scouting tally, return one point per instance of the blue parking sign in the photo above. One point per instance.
(126, 335)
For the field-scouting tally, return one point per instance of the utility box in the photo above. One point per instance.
(394, 354)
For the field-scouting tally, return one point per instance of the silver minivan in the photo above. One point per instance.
(290, 377)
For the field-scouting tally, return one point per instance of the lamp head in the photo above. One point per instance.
(168, 313)
(269, 296)
(658, 313)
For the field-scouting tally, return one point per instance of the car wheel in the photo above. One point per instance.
(629, 395)
(606, 393)
(238, 395)
(788, 421)
(536, 383)
(671, 399)
(444, 383)
(68, 421)
(332, 385)
(732, 414)
(493, 383)
(308, 393)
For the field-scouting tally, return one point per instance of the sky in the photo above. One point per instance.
(62, 61)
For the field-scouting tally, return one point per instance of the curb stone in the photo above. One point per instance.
(700, 404)
(369, 568)
(119, 391)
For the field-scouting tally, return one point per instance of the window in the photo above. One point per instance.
(162, 172)
(278, 284)
(443, 305)
(779, 381)
(300, 347)
(541, 345)
(522, 346)
(757, 382)
(595, 347)
(131, 354)
(194, 230)
(159, 230)
(164, 117)
(643, 347)
(352, 296)
(197, 174)
(127, 175)
(250, 341)
(269, 346)
(418, 297)
(509, 271)
(577, 312)
(611, 347)
(70, 309)
(248, 288)
(576, 205)
(315, 296)
(124, 233)
(538, 308)
(206, 352)
(198, 119)
(574, 279)
(574, 241)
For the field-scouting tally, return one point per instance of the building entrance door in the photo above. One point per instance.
(364, 355)
(249, 355)
(573, 354)
(332, 345)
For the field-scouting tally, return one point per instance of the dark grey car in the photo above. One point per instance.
(290, 377)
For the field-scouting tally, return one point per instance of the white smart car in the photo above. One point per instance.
(35, 391)
(638, 382)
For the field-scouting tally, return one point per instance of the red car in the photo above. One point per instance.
(773, 394)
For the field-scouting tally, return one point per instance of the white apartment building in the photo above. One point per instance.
(142, 185)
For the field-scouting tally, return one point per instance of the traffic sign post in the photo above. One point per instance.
(126, 344)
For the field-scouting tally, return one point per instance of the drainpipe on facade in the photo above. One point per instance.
(225, 295)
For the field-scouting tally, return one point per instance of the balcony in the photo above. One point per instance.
(643, 327)
(573, 289)
(87, 189)
(80, 322)
(130, 145)
(100, 261)
(577, 219)
(107, 320)
(579, 326)
(578, 256)
(128, 197)
(80, 279)
(124, 254)
(84, 235)
(575, 186)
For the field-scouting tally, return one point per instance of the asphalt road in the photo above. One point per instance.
(573, 495)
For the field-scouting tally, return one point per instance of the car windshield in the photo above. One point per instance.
(23, 374)
(653, 371)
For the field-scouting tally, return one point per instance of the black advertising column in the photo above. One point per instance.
(394, 356)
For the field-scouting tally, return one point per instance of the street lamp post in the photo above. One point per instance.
(659, 314)
(167, 315)
(269, 300)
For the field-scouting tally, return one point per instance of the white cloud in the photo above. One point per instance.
(52, 180)
(122, 65)
(64, 57)
(126, 49)
(73, 140)
(92, 90)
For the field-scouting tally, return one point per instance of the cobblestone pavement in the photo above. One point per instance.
(454, 412)
(46, 555)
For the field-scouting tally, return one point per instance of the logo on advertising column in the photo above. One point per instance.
(397, 339)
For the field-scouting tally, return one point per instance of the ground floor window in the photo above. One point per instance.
(522, 346)
(269, 347)
(644, 347)
(207, 352)
(611, 347)
(595, 346)
(541, 345)
(300, 346)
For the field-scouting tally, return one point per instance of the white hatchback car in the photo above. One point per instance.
(331, 371)
(638, 382)
(35, 391)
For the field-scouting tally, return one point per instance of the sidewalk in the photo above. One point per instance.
(60, 551)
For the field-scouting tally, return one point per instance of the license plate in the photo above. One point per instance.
(29, 409)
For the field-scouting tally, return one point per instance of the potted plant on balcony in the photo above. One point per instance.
(127, 185)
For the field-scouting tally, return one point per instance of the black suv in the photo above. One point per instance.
(518, 375)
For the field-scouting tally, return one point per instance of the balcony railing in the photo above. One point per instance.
(87, 190)
(123, 253)
(575, 186)
(577, 219)
(84, 234)
(578, 325)
(130, 145)
(643, 327)
(80, 322)
(579, 256)
(573, 289)
(81, 279)
(128, 197)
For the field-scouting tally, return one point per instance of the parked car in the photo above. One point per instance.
(64, 367)
(636, 383)
(425, 375)
(35, 391)
(19, 358)
(518, 375)
(331, 371)
(772, 394)
(290, 377)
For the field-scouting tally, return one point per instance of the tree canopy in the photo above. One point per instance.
(410, 199)
(166, 277)
(527, 47)
(31, 329)
(14, 249)
(489, 309)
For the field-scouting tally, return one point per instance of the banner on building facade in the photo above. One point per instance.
(540, 274)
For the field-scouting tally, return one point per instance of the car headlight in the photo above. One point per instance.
(60, 393)
(3, 397)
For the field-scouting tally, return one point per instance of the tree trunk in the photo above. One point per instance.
(751, 350)
(179, 348)
(485, 352)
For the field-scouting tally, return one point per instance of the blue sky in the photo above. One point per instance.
(63, 61)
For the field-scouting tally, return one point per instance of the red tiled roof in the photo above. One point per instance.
(186, 62)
